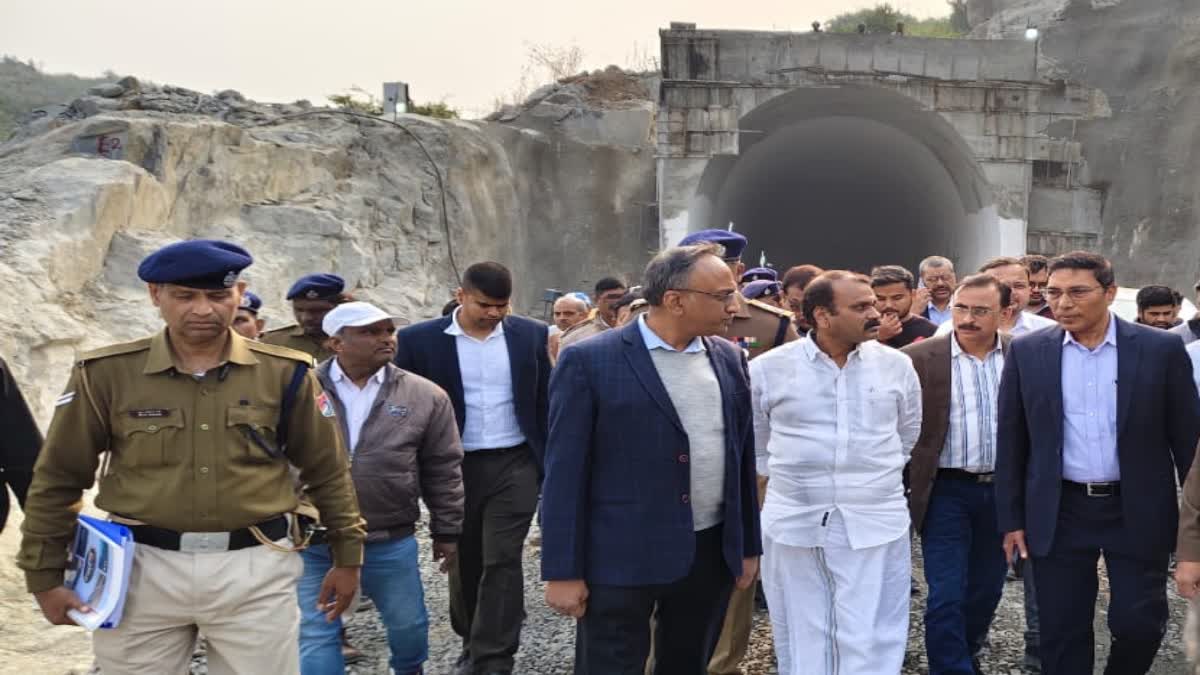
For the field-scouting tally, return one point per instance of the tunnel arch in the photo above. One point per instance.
(849, 176)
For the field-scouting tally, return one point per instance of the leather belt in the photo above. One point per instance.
(1110, 489)
(208, 542)
(959, 474)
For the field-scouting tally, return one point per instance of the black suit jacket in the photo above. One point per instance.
(426, 349)
(20, 441)
(1158, 422)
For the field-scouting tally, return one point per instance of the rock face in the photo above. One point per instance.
(86, 193)
(1144, 55)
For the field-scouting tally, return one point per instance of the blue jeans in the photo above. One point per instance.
(391, 577)
(964, 569)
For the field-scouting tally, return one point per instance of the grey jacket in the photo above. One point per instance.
(408, 448)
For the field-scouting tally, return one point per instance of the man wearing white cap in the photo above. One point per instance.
(403, 442)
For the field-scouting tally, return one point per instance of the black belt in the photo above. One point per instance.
(493, 452)
(208, 542)
(959, 474)
(1110, 489)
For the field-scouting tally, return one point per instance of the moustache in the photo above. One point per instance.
(969, 327)
(871, 324)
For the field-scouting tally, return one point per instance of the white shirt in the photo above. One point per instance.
(974, 390)
(1026, 323)
(1193, 350)
(491, 414)
(357, 401)
(834, 439)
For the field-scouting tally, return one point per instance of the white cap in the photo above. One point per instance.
(354, 314)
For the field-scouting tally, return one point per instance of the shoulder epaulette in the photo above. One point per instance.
(771, 308)
(115, 350)
(283, 352)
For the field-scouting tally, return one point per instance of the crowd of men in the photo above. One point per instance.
(678, 440)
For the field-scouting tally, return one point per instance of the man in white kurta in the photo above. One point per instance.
(836, 416)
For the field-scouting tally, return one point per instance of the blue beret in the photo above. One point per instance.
(316, 286)
(757, 289)
(758, 273)
(733, 242)
(206, 264)
(251, 302)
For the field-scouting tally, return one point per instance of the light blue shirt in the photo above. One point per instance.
(654, 342)
(1089, 388)
(938, 316)
(491, 413)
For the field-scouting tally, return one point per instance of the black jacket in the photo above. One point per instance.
(20, 441)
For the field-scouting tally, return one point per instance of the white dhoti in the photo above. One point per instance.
(835, 610)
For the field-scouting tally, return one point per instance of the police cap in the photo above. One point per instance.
(206, 264)
(733, 242)
(317, 287)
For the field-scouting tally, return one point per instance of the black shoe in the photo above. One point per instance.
(463, 665)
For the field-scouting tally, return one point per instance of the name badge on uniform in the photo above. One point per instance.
(397, 410)
(744, 342)
(149, 413)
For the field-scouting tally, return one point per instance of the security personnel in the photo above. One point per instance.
(200, 426)
(312, 297)
(246, 322)
(757, 327)
(759, 274)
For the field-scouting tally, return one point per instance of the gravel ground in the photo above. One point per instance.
(547, 644)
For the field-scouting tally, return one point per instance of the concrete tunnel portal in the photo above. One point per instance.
(849, 177)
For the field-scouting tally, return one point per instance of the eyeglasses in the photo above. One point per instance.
(977, 312)
(1077, 293)
(723, 297)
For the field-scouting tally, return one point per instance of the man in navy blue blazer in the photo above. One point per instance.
(496, 369)
(650, 499)
(1098, 419)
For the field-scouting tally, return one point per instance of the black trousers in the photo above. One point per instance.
(613, 637)
(487, 585)
(1066, 587)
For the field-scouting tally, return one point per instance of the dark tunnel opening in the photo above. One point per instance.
(850, 177)
(842, 192)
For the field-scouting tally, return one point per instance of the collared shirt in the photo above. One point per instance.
(974, 387)
(834, 439)
(1026, 323)
(940, 316)
(491, 413)
(1089, 387)
(357, 401)
(654, 342)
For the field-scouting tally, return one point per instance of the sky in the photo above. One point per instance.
(467, 53)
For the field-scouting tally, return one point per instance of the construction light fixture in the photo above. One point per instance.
(1031, 32)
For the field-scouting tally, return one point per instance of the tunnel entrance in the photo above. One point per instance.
(849, 177)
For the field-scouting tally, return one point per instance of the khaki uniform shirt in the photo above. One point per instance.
(293, 337)
(756, 326)
(183, 452)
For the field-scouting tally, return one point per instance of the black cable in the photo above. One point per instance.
(437, 172)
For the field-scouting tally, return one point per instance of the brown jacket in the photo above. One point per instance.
(931, 359)
(1188, 544)
(408, 448)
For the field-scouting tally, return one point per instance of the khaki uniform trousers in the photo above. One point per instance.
(244, 602)
(735, 633)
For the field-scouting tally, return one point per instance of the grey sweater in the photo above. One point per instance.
(696, 395)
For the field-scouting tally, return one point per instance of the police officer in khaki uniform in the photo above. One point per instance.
(200, 426)
(247, 322)
(312, 297)
(757, 327)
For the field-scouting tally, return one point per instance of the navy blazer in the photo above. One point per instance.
(615, 503)
(1158, 423)
(427, 350)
